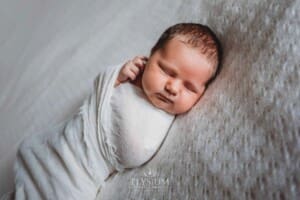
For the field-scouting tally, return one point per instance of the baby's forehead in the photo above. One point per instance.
(203, 48)
(194, 52)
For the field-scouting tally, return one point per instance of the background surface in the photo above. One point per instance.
(240, 141)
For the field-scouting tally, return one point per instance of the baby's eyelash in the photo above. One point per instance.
(190, 88)
(170, 73)
(163, 70)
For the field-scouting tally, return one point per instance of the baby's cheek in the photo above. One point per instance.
(157, 82)
(187, 102)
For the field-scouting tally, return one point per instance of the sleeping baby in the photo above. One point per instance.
(125, 120)
(181, 64)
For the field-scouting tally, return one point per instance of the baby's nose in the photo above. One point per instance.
(172, 88)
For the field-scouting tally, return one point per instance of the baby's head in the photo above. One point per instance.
(182, 63)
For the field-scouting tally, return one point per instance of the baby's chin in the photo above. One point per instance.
(171, 112)
(160, 105)
(170, 109)
(157, 103)
(174, 112)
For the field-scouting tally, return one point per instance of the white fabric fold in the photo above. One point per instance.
(73, 160)
(139, 126)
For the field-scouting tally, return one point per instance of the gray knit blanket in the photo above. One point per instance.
(241, 140)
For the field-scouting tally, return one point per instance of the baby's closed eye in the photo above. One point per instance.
(190, 87)
(167, 71)
(172, 73)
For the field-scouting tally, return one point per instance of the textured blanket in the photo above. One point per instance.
(241, 141)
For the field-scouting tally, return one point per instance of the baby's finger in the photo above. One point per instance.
(138, 57)
(140, 63)
(142, 58)
(145, 58)
(135, 69)
(131, 75)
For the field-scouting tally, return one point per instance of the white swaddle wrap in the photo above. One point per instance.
(114, 129)
(141, 126)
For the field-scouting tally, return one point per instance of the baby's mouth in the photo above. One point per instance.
(164, 99)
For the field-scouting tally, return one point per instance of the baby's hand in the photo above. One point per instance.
(131, 69)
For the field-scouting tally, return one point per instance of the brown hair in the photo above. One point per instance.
(198, 36)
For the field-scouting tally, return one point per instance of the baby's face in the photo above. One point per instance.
(174, 77)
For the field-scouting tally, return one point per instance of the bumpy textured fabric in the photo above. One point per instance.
(242, 140)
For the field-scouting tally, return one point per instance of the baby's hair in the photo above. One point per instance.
(198, 36)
